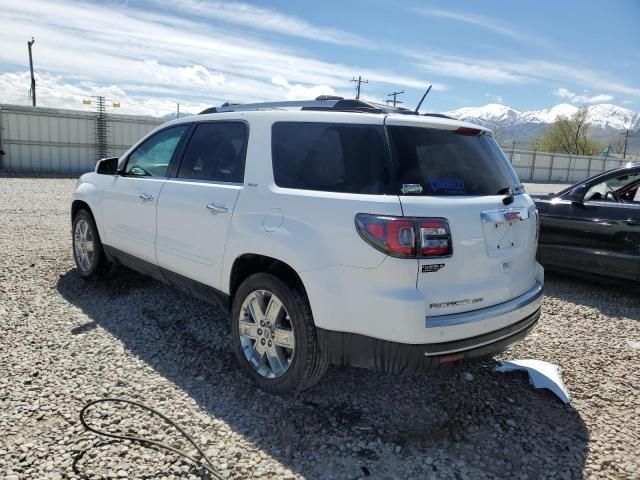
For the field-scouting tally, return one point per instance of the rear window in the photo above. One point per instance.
(331, 157)
(444, 163)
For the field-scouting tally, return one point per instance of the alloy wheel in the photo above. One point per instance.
(84, 246)
(266, 334)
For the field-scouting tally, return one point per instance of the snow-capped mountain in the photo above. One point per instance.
(510, 125)
(493, 115)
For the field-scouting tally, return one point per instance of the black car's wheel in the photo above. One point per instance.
(274, 335)
(87, 247)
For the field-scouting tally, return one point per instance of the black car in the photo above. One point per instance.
(593, 226)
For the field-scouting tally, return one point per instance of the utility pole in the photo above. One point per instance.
(32, 92)
(177, 110)
(358, 82)
(395, 100)
(101, 127)
(629, 129)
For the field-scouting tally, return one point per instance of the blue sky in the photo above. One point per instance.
(151, 54)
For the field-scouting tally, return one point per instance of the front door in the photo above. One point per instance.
(601, 234)
(129, 202)
(196, 206)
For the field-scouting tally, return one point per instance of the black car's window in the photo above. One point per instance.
(618, 187)
(331, 157)
(216, 151)
(152, 157)
(444, 163)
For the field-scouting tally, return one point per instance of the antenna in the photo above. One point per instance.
(423, 97)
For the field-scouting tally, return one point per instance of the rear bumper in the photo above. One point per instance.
(356, 350)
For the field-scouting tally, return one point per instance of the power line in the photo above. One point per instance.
(395, 100)
(358, 82)
(32, 91)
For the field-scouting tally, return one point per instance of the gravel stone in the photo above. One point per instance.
(66, 342)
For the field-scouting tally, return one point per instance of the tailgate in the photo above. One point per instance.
(494, 249)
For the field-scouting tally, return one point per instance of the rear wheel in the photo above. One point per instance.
(274, 335)
(87, 247)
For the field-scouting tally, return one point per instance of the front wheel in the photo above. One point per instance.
(274, 335)
(87, 247)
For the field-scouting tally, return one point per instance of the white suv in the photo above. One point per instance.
(337, 231)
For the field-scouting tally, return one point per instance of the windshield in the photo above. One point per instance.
(444, 163)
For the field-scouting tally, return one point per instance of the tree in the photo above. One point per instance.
(569, 135)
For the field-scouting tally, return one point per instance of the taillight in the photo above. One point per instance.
(471, 132)
(435, 238)
(406, 237)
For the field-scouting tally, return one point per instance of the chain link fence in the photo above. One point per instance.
(545, 167)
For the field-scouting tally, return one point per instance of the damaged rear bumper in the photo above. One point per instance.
(341, 348)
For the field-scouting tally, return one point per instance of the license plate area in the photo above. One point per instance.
(504, 230)
(504, 237)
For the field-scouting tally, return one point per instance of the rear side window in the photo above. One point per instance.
(216, 152)
(331, 157)
(444, 163)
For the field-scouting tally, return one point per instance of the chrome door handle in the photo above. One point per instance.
(217, 208)
(146, 196)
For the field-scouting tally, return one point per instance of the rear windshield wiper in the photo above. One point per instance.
(510, 192)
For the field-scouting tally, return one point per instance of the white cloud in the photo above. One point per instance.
(575, 98)
(301, 92)
(156, 54)
(495, 98)
(478, 71)
(482, 22)
(515, 72)
(60, 94)
(264, 19)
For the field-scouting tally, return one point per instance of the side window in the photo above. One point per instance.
(331, 157)
(152, 157)
(216, 152)
(614, 188)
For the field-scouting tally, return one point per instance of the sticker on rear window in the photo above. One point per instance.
(411, 188)
(447, 185)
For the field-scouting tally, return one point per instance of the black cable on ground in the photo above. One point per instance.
(206, 464)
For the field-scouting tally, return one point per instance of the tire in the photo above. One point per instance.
(296, 368)
(88, 253)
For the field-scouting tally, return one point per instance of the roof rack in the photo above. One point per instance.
(321, 103)
(327, 103)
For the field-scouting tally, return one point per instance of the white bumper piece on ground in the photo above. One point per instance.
(541, 375)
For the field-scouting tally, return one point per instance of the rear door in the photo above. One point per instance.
(129, 200)
(196, 206)
(461, 175)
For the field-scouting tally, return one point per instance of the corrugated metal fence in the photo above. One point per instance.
(47, 140)
(544, 167)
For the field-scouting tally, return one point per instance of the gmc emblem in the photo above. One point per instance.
(512, 216)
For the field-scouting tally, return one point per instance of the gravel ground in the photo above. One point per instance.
(65, 342)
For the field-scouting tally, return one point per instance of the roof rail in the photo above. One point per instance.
(322, 103)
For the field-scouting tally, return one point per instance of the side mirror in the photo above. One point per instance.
(107, 166)
(577, 194)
